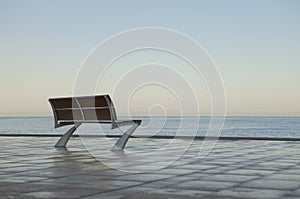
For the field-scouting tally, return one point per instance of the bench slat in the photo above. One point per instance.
(64, 103)
(98, 107)
(92, 108)
(69, 114)
(97, 101)
(96, 114)
(88, 109)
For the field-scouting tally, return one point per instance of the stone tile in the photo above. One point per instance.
(233, 169)
(255, 172)
(49, 194)
(21, 188)
(106, 196)
(198, 166)
(289, 171)
(148, 177)
(251, 193)
(205, 185)
(229, 178)
(295, 192)
(291, 197)
(153, 196)
(272, 184)
(290, 177)
(180, 192)
(61, 193)
(175, 171)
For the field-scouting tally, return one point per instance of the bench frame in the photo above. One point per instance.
(112, 119)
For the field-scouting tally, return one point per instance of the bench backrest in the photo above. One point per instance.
(71, 110)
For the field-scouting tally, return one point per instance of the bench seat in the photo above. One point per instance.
(89, 109)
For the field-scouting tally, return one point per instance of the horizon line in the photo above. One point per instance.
(7, 116)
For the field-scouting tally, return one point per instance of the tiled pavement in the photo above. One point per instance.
(30, 167)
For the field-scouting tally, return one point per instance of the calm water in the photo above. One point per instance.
(234, 126)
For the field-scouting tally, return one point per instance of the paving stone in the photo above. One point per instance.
(180, 192)
(251, 193)
(106, 196)
(61, 193)
(295, 193)
(178, 171)
(229, 178)
(291, 171)
(49, 194)
(272, 184)
(205, 185)
(145, 177)
(289, 177)
(255, 172)
(154, 196)
(234, 169)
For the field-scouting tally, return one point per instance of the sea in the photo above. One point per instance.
(234, 126)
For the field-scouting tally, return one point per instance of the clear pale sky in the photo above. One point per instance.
(254, 43)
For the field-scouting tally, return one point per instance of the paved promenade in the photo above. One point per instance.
(30, 167)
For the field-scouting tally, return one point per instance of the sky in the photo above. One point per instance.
(255, 45)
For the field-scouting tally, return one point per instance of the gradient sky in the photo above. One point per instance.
(255, 45)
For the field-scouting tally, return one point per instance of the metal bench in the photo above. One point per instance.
(88, 109)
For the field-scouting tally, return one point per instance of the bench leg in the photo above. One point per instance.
(120, 144)
(62, 142)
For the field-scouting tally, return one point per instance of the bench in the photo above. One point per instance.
(89, 109)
